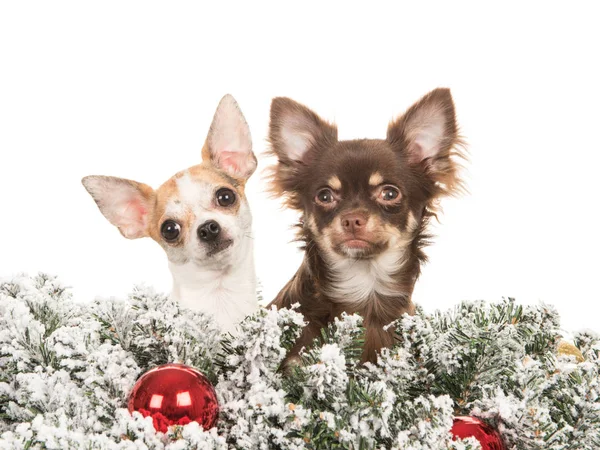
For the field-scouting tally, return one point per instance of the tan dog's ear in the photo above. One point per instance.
(126, 204)
(427, 133)
(295, 130)
(229, 144)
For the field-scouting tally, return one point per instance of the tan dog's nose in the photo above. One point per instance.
(354, 222)
(209, 231)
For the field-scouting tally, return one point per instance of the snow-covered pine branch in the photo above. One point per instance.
(66, 369)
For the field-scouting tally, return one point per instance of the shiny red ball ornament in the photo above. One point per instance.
(488, 437)
(175, 394)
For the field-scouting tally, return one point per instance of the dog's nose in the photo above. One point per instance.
(209, 231)
(355, 222)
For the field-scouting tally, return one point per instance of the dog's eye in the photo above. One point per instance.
(225, 197)
(389, 194)
(324, 196)
(170, 230)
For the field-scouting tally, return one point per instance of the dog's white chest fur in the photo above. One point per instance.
(228, 295)
(355, 281)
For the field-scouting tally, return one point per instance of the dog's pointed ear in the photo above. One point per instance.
(295, 131)
(427, 133)
(296, 134)
(229, 144)
(126, 204)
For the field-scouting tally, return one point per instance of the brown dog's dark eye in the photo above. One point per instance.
(170, 230)
(324, 197)
(389, 194)
(225, 197)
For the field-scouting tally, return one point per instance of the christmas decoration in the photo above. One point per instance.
(175, 394)
(465, 427)
(566, 348)
(67, 369)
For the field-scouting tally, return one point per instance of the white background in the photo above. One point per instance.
(129, 89)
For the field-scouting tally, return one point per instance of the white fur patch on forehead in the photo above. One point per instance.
(375, 179)
(335, 183)
(194, 193)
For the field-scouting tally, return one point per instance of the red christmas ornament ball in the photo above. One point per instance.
(488, 437)
(175, 394)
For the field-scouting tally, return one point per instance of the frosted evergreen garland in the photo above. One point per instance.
(66, 369)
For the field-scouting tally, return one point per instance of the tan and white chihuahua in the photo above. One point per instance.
(200, 217)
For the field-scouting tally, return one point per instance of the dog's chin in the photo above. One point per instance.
(218, 252)
(358, 249)
(218, 247)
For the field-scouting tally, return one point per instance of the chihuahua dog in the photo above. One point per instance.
(200, 217)
(365, 205)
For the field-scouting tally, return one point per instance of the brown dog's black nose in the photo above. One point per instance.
(354, 222)
(209, 231)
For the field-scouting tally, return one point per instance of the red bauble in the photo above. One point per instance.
(175, 394)
(487, 436)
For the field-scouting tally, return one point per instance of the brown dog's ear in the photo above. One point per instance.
(296, 134)
(427, 133)
(229, 144)
(126, 204)
(295, 131)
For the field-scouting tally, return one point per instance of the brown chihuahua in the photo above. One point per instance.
(365, 205)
